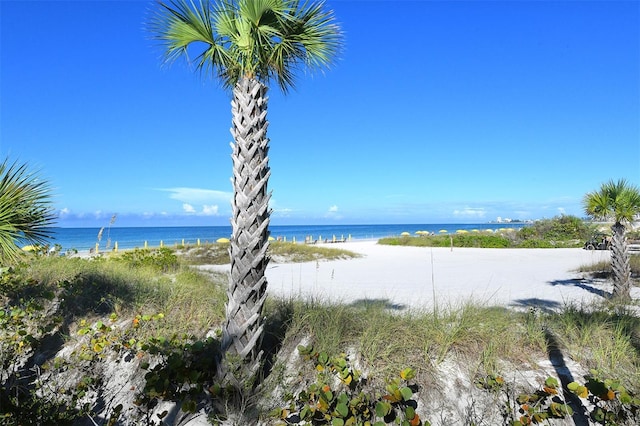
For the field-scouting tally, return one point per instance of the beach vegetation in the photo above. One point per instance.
(453, 240)
(618, 201)
(26, 215)
(340, 396)
(281, 252)
(559, 228)
(563, 231)
(602, 269)
(168, 322)
(246, 45)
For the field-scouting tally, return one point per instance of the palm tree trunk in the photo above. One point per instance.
(242, 333)
(620, 263)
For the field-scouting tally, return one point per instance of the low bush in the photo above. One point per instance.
(457, 240)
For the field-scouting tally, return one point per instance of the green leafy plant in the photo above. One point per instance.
(345, 401)
(162, 259)
(542, 405)
(612, 403)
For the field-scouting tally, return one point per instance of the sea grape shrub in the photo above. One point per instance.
(161, 260)
(612, 403)
(339, 398)
(559, 228)
(542, 405)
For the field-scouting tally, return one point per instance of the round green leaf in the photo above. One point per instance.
(382, 408)
(407, 393)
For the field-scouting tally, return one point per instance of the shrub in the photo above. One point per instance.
(562, 228)
(161, 260)
(459, 240)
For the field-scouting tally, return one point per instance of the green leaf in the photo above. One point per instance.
(382, 408)
(407, 374)
(407, 393)
(551, 382)
(342, 409)
(578, 389)
(306, 413)
(625, 398)
(410, 413)
(337, 422)
(305, 350)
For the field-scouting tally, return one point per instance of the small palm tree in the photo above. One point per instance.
(25, 213)
(246, 44)
(620, 202)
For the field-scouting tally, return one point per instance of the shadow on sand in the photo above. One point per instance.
(544, 305)
(583, 284)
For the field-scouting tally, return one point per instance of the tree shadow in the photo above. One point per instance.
(583, 284)
(556, 357)
(275, 329)
(547, 306)
(377, 303)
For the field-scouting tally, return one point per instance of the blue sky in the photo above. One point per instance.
(435, 112)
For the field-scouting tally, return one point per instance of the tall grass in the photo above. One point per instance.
(192, 302)
(387, 341)
(603, 268)
(604, 338)
(218, 254)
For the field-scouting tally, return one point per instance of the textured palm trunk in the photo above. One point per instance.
(242, 334)
(620, 263)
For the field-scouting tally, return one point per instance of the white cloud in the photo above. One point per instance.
(210, 210)
(188, 208)
(561, 210)
(64, 212)
(333, 209)
(470, 212)
(99, 214)
(198, 196)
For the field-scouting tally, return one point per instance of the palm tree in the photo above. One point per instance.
(620, 202)
(247, 44)
(25, 214)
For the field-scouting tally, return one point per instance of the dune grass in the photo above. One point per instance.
(218, 254)
(603, 268)
(192, 302)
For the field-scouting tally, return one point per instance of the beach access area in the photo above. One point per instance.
(411, 278)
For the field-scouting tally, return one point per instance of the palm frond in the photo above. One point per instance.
(181, 24)
(263, 39)
(616, 200)
(25, 212)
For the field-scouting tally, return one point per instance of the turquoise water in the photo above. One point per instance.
(127, 238)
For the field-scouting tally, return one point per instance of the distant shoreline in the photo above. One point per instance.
(135, 237)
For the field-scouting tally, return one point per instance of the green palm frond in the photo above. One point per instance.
(616, 200)
(181, 24)
(25, 214)
(263, 39)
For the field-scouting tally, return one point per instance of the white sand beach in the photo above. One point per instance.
(409, 277)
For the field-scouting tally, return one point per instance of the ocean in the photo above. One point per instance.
(137, 237)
